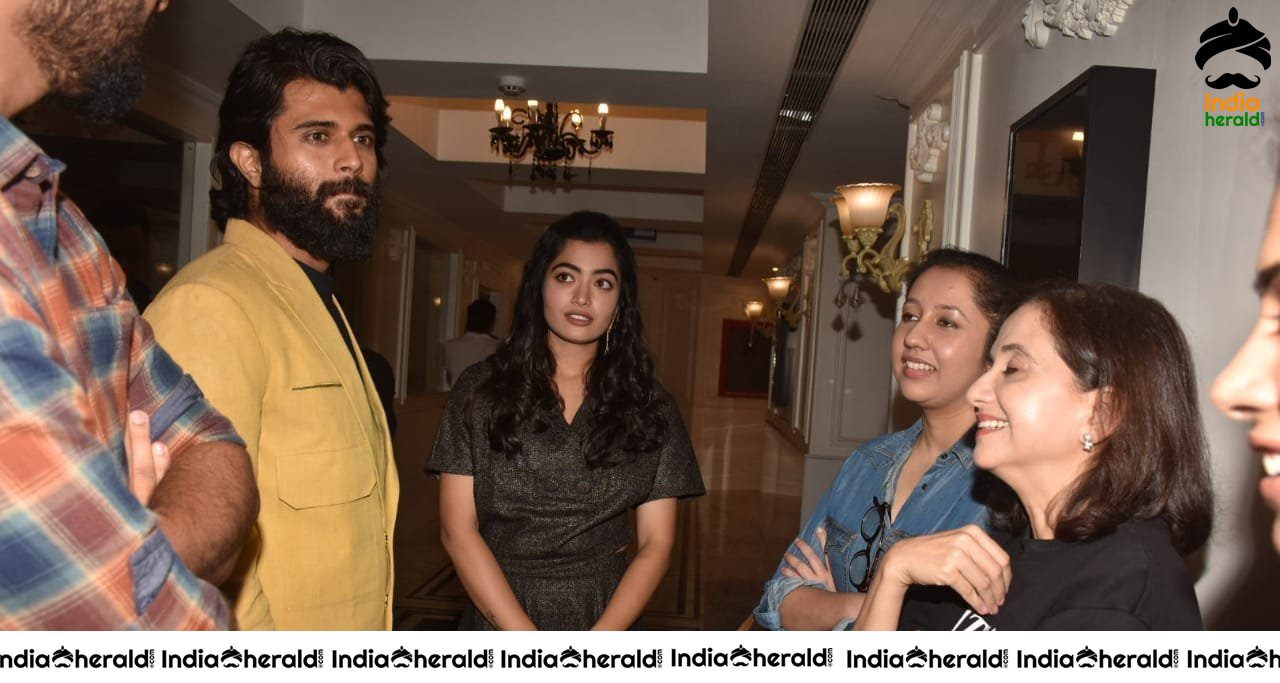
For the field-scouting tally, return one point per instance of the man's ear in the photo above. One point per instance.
(248, 161)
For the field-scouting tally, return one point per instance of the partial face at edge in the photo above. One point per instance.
(1247, 388)
(88, 52)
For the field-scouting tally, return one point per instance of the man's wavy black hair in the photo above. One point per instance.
(255, 97)
(621, 393)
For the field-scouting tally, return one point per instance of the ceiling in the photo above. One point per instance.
(678, 74)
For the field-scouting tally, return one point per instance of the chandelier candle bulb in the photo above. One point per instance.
(603, 111)
(498, 106)
(506, 115)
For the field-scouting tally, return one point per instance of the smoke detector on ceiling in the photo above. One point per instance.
(511, 86)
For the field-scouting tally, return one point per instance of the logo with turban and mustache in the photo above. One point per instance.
(1238, 35)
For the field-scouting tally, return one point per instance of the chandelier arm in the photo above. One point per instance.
(519, 147)
(520, 117)
(572, 144)
(566, 121)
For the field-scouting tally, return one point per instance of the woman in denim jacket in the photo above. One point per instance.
(917, 481)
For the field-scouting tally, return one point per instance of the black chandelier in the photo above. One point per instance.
(552, 140)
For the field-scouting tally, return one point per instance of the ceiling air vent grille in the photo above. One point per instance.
(828, 31)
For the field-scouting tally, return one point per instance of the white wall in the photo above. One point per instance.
(850, 380)
(654, 35)
(1207, 194)
(273, 15)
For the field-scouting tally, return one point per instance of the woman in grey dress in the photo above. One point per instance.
(545, 447)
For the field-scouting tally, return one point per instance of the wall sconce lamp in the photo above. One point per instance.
(755, 314)
(863, 209)
(791, 311)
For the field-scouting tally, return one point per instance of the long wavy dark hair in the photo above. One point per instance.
(621, 393)
(1154, 464)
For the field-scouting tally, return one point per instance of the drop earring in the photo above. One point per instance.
(1086, 441)
(607, 334)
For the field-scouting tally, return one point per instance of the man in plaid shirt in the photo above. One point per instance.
(79, 546)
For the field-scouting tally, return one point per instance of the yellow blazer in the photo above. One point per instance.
(247, 324)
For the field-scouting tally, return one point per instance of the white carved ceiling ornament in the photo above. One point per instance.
(1074, 18)
(932, 135)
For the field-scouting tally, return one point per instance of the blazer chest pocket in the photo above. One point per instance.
(311, 416)
(324, 459)
(320, 478)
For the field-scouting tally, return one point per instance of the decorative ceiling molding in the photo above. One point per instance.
(930, 137)
(1074, 18)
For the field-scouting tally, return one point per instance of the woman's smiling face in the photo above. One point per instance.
(939, 343)
(1031, 410)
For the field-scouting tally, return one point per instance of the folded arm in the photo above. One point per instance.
(802, 594)
(84, 549)
(813, 607)
(206, 535)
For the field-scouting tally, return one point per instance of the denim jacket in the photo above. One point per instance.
(945, 498)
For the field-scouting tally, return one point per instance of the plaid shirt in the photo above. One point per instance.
(77, 549)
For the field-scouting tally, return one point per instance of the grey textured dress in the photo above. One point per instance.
(558, 529)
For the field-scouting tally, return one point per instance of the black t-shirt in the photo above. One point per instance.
(1131, 579)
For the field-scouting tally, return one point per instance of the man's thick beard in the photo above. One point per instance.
(96, 78)
(311, 226)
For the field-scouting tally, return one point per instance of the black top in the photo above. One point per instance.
(1131, 579)
(324, 284)
(545, 514)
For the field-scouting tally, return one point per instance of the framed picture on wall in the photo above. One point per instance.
(1077, 180)
(744, 360)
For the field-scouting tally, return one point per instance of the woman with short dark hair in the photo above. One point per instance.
(1089, 413)
(546, 446)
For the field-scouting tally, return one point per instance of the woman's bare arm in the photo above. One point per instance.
(655, 535)
(966, 559)
(477, 568)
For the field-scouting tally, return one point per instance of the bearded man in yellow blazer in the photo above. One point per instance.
(255, 322)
